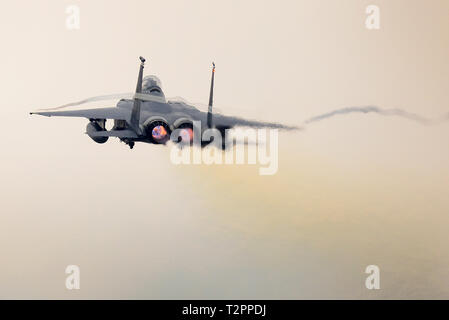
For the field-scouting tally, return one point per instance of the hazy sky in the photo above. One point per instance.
(351, 191)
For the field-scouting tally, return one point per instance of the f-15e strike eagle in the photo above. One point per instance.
(150, 118)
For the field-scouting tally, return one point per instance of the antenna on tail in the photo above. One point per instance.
(211, 98)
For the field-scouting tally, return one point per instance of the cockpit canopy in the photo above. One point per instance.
(152, 85)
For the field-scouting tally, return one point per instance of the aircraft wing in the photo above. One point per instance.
(96, 113)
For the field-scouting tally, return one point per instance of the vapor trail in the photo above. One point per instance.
(371, 109)
(342, 111)
(92, 99)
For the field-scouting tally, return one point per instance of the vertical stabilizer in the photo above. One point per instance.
(135, 114)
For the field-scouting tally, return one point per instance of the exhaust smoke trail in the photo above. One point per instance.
(92, 99)
(371, 109)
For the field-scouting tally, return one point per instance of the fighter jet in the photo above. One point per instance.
(149, 117)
